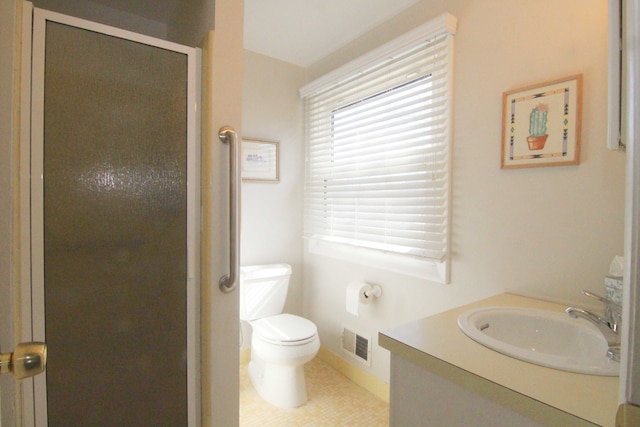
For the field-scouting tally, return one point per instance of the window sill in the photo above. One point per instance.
(406, 265)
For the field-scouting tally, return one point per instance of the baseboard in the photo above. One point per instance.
(364, 379)
(628, 415)
(245, 355)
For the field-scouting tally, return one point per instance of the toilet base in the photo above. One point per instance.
(277, 372)
(279, 385)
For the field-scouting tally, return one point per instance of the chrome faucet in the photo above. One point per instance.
(612, 337)
(608, 325)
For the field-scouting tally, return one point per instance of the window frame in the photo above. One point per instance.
(431, 269)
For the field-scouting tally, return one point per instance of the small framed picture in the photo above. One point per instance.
(541, 124)
(259, 160)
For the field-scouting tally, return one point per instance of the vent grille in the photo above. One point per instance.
(362, 347)
(356, 345)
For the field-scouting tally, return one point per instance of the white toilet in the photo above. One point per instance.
(280, 343)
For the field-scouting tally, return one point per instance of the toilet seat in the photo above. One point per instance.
(285, 329)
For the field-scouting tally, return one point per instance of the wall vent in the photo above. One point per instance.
(356, 346)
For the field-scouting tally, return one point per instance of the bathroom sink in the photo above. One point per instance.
(543, 337)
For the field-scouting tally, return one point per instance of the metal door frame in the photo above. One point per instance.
(34, 411)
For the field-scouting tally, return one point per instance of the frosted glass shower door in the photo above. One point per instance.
(117, 285)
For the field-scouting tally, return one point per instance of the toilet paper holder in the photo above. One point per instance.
(360, 293)
(373, 291)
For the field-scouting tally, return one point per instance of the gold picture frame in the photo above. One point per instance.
(541, 124)
(259, 160)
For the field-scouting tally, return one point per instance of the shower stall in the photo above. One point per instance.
(114, 226)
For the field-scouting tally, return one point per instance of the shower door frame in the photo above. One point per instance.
(33, 395)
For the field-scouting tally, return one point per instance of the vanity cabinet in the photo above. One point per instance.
(440, 377)
(420, 397)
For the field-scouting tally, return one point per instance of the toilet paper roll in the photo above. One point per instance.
(356, 296)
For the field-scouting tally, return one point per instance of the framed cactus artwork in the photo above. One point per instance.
(541, 124)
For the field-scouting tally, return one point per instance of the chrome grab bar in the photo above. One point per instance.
(229, 136)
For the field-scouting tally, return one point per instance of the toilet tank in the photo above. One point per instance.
(263, 290)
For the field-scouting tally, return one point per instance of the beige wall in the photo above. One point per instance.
(544, 231)
(221, 106)
(272, 212)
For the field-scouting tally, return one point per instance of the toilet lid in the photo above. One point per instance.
(284, 328)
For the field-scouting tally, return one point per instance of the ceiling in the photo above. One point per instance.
(302, 32)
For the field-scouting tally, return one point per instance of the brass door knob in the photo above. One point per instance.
(27, 360)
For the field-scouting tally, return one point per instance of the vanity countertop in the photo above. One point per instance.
(437, 344)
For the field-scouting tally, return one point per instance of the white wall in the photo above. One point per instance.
(546, 231)
(272, 212)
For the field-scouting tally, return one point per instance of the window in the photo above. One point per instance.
(378, 151)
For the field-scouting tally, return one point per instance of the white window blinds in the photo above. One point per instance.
(378, 148)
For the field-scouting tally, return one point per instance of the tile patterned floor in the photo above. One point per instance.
(333, 401)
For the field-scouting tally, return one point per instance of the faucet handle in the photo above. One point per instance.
(601, 299)
(612, 310)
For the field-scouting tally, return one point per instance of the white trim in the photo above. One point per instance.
(401, 264)
(193, 238)
(26, 333)
(630, 361)
(445, 23)
(614, 140)
(445, 268)
(36, 211)
(329, 87)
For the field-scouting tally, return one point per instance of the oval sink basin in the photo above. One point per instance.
(546, 338)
